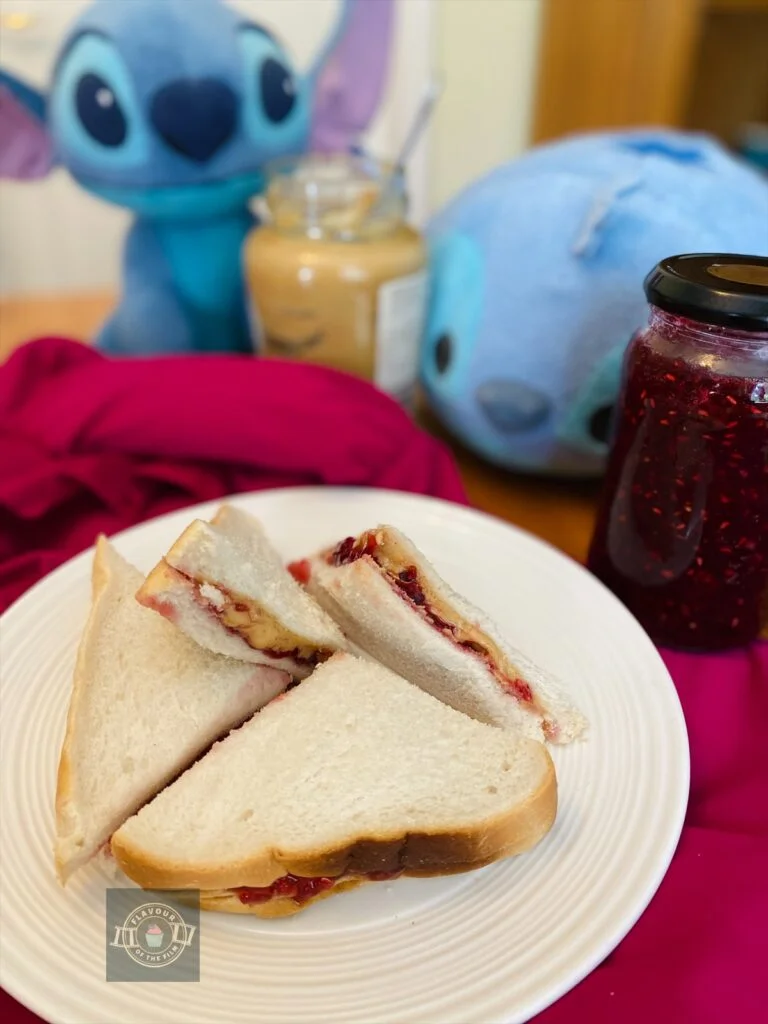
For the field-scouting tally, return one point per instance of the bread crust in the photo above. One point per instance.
(418, 853)
(68, 821)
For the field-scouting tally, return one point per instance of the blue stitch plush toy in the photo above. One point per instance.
(537, 284)
(171, 109)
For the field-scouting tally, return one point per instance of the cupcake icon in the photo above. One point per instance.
(154, 935)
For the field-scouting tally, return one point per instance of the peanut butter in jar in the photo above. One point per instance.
(335, 275)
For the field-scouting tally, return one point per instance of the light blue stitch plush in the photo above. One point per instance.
(538, 284)
(171, 109)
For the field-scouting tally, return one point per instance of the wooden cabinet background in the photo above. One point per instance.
(699, 64)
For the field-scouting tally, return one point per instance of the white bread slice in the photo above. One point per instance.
(223, 584)
(146, 701)
(377, 617)
(355, 771)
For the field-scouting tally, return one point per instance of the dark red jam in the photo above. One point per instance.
(408, 582)
(408, 585)
(296, 888)
(294, 655)
(682, 533)
(349, 550)
(301, 889)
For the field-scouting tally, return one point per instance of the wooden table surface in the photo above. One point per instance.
(560, 512)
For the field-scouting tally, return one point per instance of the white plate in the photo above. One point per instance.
(494, 945)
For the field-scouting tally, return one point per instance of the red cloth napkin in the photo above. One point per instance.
(697, 955)
(87, 444)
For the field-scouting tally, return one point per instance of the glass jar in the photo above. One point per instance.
(682, 531)
(336, 275)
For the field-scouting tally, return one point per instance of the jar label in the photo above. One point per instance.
(400, 318)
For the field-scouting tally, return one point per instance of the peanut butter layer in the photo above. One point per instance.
(249, 620)
(393, 560)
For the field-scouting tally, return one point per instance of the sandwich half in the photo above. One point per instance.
(391, 603)
(355, 776)
(146, 701)
(224, 585)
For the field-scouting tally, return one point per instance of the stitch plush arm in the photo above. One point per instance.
(150, 311)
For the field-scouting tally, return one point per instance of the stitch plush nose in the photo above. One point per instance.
(512, 406)
(195, 116)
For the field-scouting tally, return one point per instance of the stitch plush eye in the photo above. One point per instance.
(455, 306)
(275, 98)
(278, 90)
(443, 352)
(96, 120)
(99, 111)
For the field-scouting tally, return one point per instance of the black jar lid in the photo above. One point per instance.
(714, 288)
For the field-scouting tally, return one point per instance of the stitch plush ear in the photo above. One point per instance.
(26, 151)
(606, 197)
(350, 75)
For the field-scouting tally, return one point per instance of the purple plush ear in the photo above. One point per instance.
(25, 148)
(351, 75)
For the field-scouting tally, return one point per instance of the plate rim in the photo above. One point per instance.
(681, 757)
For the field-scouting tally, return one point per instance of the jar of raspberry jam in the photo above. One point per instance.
(682, 530)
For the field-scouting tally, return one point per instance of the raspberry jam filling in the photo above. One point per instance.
(301, 889)
(349, 550)
(294, 655)
(408, 585)
(301, 570)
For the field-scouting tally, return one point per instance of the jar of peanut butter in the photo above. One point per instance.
(335, 275)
